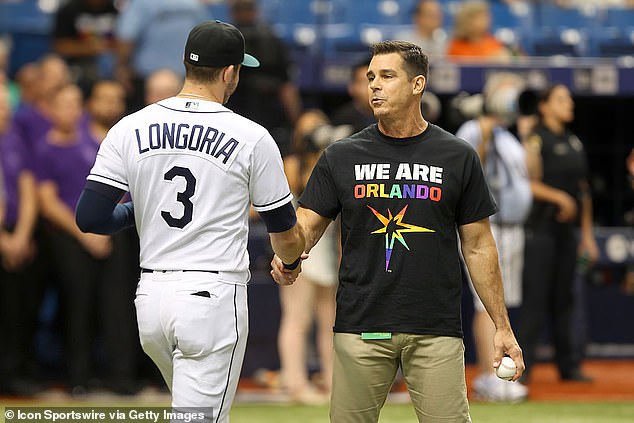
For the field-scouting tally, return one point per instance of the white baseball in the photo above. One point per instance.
(507, 368)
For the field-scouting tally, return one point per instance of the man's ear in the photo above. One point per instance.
(419, 84)
(228, 73)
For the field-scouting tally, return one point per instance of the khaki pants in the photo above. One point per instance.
(364, 370)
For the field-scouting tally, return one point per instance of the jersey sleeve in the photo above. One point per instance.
(320, 194)
(109, 166)
(476, 201)
(268, 187)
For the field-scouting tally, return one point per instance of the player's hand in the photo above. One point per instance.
(567, 208)
(16, 251)
(506, 344)
(99, 246)
(283, 276)
(588, 248)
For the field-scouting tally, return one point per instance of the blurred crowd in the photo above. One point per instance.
(63, 290)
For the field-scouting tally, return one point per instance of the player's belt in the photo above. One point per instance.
(165, 271)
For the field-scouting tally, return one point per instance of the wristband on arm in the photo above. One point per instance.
(293, 265)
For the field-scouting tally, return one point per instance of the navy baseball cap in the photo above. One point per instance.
(216, 44)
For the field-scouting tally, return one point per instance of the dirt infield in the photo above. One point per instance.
(613, 381)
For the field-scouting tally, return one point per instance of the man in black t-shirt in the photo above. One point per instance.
(268, 96)
(402, 188)
(84, 36)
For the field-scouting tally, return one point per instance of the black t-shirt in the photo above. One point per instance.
(257, 95)
(564, 166)
(400, 202)
(80, 21)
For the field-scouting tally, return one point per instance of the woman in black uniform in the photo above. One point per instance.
(562, 202)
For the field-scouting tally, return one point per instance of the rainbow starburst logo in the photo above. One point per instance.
(394, 228)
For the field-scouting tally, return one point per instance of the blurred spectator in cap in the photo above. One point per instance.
(162, 84)
(267, 96)
(428, 33)
(84, 36)
(472, 38)
(151, 35)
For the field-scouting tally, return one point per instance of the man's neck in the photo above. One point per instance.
(201, 92)
(403, 127)
(62, 136)
(555, 126)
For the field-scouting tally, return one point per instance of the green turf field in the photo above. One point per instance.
(529, 412)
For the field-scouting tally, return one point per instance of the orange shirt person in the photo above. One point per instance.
(472, 36)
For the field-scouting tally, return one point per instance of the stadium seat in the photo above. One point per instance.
(614, 42)
(550, 42)
(511, 24)
(29, 16)
(28, 24)
(379, 12)
(552, 16)
(299, 23)
(619, 18)
(562, 31)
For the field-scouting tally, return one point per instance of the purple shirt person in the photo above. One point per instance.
(18, 199)
(64, 158)
(13, 161)
(30, 125)
(67, 166)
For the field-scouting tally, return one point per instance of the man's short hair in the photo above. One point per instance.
(416, 62)
(202, 74)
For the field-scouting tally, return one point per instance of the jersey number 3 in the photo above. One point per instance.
(182, 197)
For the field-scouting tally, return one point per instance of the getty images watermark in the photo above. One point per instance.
(108, 414)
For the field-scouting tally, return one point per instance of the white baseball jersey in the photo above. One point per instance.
(192, 167)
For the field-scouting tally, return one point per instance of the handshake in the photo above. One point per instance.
(286, 275)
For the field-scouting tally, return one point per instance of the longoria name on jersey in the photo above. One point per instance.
(182, 136)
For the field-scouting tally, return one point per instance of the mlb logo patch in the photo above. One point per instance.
(193, 56)
(191, 105)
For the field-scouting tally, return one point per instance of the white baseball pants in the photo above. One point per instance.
(197, 342)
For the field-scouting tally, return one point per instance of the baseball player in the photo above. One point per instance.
(192, 168)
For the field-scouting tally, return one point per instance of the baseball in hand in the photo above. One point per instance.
(506, 370)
